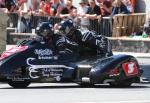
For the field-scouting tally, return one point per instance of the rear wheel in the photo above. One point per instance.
(19, 84)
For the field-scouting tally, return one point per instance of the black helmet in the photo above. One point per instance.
(66, 26)
(45, 29)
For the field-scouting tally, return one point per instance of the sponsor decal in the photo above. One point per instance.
(54, 71)
(130, 68)
(17, 78)
(44, 54)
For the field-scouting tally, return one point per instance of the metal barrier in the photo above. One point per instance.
(104, 27)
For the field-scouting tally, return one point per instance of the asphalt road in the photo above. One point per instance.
(72, 93)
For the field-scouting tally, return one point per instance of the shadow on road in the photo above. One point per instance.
(77, 86)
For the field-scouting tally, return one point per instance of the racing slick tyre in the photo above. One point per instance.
(19, 84)
(121, 84)
(86, 84)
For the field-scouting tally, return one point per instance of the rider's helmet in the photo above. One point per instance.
(66, 27)
(45, 29)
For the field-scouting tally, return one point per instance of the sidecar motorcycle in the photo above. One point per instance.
(33, 61)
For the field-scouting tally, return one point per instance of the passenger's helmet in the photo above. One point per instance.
(66, 26)
(45, 29)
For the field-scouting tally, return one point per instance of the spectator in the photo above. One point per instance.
(69, 10)
(10, 5)
(119, 7)
(25, 11)
(57, 7)
(47, 7)
(42, 8)
(94, 14)
(94, 10)
(129, 6)
(82, 11)
(36, 5)
(106, 7)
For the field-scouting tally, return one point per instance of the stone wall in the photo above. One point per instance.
(3, 35)
(141, 45)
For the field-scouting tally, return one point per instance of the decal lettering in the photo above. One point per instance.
(16, 78)
(130, 68)
(46, 70)
(44, 53)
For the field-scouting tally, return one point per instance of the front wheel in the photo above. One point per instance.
(19, 84)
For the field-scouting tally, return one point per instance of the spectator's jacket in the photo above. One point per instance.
(120, 10)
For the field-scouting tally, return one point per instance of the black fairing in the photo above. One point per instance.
(99, 66)
(19, 59)
(99, 70)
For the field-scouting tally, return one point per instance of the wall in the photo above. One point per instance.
(3, 25)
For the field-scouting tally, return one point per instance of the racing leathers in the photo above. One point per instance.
(64, 47)
(99, 44)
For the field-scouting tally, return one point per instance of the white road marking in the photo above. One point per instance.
(130, 101)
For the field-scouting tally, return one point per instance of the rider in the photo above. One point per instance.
(98, 43)
(64, 47)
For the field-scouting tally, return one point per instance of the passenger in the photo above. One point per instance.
(90, 39)
(62, 45)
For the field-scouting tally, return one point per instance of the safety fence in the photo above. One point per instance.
(103, 27)
(119, 25)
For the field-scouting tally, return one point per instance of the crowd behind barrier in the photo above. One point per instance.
(103, 27)
(119, 25)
